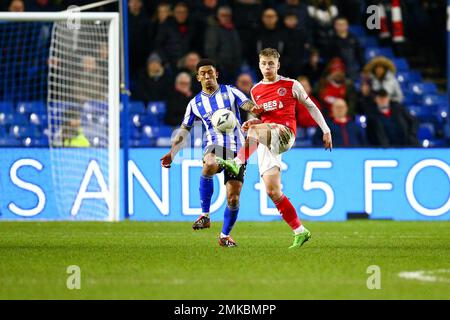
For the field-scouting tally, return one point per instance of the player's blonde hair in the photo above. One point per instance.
(269, 52)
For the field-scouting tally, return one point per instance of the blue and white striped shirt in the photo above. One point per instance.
(203, 106)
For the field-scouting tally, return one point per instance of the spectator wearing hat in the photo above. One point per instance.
(381, 72)
(154, 83)
(345, 132)
(334, 85)
(389, 124)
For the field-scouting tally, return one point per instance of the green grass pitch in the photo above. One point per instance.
(148, 260)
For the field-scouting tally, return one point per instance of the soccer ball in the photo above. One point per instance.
(223, 120)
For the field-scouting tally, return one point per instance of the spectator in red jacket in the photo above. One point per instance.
(334, 85)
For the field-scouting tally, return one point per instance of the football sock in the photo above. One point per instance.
(229, 218)
(299, 230)
(206, 190)
(250, 146)
(288, 212)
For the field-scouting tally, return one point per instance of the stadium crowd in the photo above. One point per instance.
(360, 93)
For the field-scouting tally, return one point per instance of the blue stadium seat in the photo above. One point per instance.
(410, 98)
(136, 107)
(369, 41)
(38, 119)
(21, 132)
(135, 143)
(442, 113)
(13, 119)
(423, 113)
(10, 142)
(134, 133)
(421, 88)
(372, 52)
(35, 142)
(357, 30)
(157, 131)
(435, 100)
(30, 107)
(6, 107)
(152, 120)
(408, 76)
(426, 131)
(434, 143)
(361, 120)
(147, 142)
(401, 64)
(157, 108)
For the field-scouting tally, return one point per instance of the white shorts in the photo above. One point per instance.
(281, 141)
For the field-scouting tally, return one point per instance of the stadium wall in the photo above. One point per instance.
(398, 184)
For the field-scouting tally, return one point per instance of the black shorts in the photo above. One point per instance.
(226, 153)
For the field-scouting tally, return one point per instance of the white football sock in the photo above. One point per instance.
(223, 235)
(299, 230)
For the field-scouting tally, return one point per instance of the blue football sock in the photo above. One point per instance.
(229, 218)
(206, 191)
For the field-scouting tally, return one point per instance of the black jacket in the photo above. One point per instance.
(398, 129)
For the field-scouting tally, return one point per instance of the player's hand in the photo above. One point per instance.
(247, 124)
(327, 142)
(166, 160)
(257, 109)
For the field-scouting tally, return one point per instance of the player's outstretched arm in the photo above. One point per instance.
(177, 144)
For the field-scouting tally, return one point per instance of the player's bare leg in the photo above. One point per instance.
(272, 181)
(234, 188)
(206, 190)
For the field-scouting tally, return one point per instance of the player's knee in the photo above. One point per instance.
(233, 200)
(273, 193)
(209, 167)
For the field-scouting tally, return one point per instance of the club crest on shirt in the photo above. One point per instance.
(281, 91)
(225, 96)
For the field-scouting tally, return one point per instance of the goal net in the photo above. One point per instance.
(77, 63)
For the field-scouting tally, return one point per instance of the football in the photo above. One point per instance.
(223, 120)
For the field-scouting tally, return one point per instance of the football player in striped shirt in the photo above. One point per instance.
(215, 96)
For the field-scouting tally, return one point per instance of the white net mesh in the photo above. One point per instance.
(78, 118)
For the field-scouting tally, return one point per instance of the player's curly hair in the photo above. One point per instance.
(269, 52)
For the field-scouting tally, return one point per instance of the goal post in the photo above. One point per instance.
(82, 91)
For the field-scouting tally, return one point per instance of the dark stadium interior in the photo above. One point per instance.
(167, 38)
